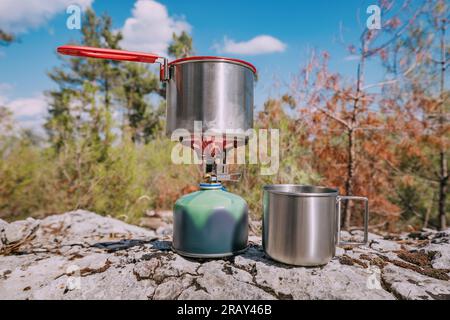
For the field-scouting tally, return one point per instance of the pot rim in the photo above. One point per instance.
(214, 59)
(290, 190)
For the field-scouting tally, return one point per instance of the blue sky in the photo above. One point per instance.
(294, 27)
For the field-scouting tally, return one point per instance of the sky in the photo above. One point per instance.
(275, 36)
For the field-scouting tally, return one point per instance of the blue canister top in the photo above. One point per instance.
(210, 186)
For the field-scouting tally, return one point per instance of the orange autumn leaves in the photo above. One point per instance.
(329, 111)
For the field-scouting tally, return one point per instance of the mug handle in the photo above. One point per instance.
(366, 220)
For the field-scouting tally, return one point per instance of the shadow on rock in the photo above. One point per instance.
(256, 253)
(161, 245)
(112, 246)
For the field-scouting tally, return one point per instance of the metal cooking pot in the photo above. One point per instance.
(301, 224)
(214, 90)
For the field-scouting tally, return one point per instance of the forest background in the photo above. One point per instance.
(388, 141)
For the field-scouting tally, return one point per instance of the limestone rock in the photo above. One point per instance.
(81, 255)
(409, 285)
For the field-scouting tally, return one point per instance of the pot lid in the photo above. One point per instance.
(297, 190)
(214, 58)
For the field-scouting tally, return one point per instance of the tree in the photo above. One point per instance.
(373, 43)
(440, 22)
(181, 46)
(348, 146)
(347, 133)
(421, 108)
(142, 118)
(82, 103)
(6, 129)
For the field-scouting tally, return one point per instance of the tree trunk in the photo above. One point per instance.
(426, 220)
(107, 124)
(351, 133)
(443, 174)
(349, 181)
(442, 202)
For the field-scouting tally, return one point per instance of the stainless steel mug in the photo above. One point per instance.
(301, 224)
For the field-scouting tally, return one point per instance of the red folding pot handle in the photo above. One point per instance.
(112, 54)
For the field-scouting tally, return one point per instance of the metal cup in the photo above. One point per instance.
(301, 224)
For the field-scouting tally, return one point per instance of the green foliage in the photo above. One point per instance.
(181, 46)
(131, 179)
(143, 119)
(90, 91)
(81, 106)
(18, 174)
(417, 201)
(38, 181)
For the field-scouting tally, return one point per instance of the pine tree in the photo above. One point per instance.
(81, 106)
(141, 118)
(421, 113)
(181, 46)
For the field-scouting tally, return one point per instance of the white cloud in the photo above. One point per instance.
(18, 16)
(28, 107)
(261, 44)
(29, 112)
(150, 28)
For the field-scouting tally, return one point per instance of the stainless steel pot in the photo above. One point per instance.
(217, 91)
(301, 224)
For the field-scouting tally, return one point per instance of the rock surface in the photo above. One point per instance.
(81, 255)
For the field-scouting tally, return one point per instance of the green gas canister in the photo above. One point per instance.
(210, 223)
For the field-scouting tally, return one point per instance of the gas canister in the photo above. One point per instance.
(210, 223)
